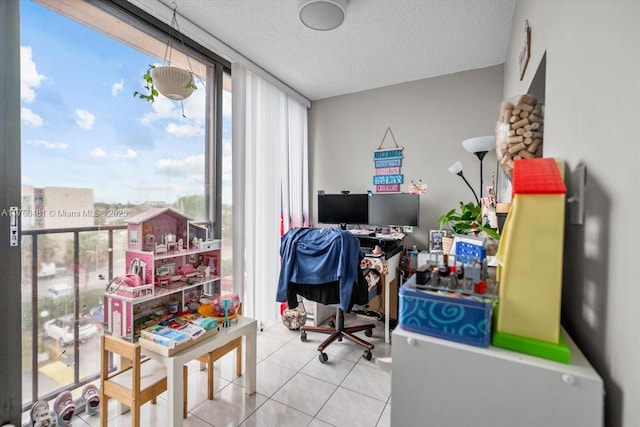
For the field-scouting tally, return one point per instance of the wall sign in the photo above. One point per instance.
(387, 162)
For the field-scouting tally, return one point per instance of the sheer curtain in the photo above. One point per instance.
(270, 186)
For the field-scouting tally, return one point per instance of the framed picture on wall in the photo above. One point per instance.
(525, 50)
(435, 240)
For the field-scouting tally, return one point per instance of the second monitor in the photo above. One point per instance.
(394, 209)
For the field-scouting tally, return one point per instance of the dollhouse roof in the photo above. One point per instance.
(153, 213)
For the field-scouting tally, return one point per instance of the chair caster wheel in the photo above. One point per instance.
(303, 336)
(368, 333)
(366, 355)
(332, 324)
(323, 357)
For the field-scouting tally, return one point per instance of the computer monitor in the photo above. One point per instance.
(394, 209)
(343, 208)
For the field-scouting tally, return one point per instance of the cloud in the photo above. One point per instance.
(184, 130)
(29, 76)
(194, 110)
(31, 118)
(84, 119)
(48, 145)
(162, 108)
(129, 154)
(117, 87)
(192, 165)
(98, 152)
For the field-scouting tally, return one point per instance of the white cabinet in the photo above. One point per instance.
(443, 383)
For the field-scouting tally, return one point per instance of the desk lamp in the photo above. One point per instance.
(479, 146)
(456, 169)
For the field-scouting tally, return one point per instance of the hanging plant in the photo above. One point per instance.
(152, 92)
(172, 82)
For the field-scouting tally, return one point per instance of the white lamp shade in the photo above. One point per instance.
(479, 144)
(173, 82)
(456, 168)
(322, 15)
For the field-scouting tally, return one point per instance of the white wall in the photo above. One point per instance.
(429, 118)
(593, 117)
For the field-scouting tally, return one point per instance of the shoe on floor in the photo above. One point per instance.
(64, 408)
(91, 397)
(39, 414)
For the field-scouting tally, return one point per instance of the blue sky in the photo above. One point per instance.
(82, 127)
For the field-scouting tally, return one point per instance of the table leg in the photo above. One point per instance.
(250, 360)
(174, 394)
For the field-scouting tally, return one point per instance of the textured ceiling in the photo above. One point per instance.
(381, 42)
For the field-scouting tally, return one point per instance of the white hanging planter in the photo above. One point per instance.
(173, 82)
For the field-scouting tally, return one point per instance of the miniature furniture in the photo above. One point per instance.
(440, 382)
(218, 353)
(323, 265)
(137, 381)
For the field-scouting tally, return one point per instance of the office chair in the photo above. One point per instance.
(337, 331)
(312, 259)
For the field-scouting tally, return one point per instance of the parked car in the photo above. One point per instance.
(60, 290)
(61, 329)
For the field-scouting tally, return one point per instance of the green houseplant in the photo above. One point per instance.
(465, 219)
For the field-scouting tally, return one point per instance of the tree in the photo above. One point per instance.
(192, 206)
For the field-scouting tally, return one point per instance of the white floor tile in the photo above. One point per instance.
(318, 423)
(293, 356)
(273, 413)
(369, 380)
(270, 377)
(230, 406)
(266, 346)
(347, 408)
(305, 393)
(334, 370)
(385, 419)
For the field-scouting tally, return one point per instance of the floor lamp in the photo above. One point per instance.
(480, 146)
(456, 169)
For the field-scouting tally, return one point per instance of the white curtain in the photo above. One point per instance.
(270, 186)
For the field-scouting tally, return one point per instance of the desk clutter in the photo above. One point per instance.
(451, 297)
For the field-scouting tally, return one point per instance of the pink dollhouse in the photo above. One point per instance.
(158, 230)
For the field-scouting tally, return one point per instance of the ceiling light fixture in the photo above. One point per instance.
(322, 15)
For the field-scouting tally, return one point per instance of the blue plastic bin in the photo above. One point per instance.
(446, 315)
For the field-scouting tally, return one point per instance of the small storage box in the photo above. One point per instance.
(465, 319)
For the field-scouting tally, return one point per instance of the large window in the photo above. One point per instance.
(94, 155)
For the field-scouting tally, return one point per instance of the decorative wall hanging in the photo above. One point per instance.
(525, 50)
(417, 187)
(387, 162)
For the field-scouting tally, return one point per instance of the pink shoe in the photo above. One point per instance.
(91, 397)
(64, 408)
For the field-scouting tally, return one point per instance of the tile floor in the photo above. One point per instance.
(293, 387)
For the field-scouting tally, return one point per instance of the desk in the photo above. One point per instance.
(389, 278)
(244, 326)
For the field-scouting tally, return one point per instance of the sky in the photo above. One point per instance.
(82, 127)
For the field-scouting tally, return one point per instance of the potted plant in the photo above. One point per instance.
(173, 82)
(465, 219)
